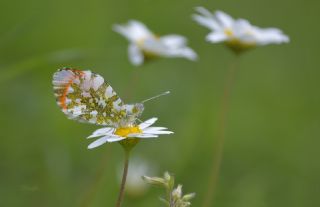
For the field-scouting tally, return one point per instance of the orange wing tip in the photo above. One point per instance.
(62, 80)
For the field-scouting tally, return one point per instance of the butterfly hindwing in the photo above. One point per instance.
(84, 96)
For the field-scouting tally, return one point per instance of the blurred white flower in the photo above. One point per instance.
(135, 186)
(145, 45)
(238, 34)
(112, 134)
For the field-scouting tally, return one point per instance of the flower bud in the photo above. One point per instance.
(170, 180)
(188, 197)
(155, 181)
(177, 193)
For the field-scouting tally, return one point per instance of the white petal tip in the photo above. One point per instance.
(91, 147)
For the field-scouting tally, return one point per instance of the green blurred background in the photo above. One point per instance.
(272, 141)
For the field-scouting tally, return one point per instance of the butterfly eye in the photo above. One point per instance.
(138, 109)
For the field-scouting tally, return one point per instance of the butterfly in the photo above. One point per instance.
(85, 96)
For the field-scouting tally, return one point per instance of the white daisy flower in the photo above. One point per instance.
(238, 34)
(112, 134)
(146, 45)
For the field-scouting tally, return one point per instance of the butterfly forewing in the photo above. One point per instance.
(84, 96)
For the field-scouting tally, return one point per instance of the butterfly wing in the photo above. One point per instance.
(84, 96)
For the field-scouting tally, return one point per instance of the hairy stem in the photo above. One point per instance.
(222, 123)
(124, 178)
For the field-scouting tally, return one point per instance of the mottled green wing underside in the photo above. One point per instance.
(84, 96)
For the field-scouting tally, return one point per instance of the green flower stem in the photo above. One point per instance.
(222, 123)
(124, 177)
(169, 197)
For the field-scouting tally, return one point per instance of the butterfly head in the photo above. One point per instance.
(132, 111)
(138, 109)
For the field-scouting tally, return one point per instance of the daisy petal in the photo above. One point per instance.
(155, 129)
(135, 55)
(115, 139)
(122, 30)
(158, 132)
(216, 37)
(270, 35)
(103, 140)
(138, 30)
(225, 28)
(174, 41)
(134, 135)
(133, 31)
(101, 132)
(98, 143)
(148, 123)
(146, 135)
(184, 52)
(203, 11)
(210, 23)
(156, 47)
(225, 19)
(188, 53)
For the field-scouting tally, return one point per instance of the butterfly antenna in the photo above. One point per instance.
(157, 96)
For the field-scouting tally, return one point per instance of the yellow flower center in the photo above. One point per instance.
(125, 131)
(140, 42)
(238, 46)
(148, 55)
(228, 32)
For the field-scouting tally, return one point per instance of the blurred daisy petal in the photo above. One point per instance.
(216, 37)
(144, 45)
(206, 19)
(224, 19)
(238, 34)
(174, 40)
(135, 55)
(187, 53)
